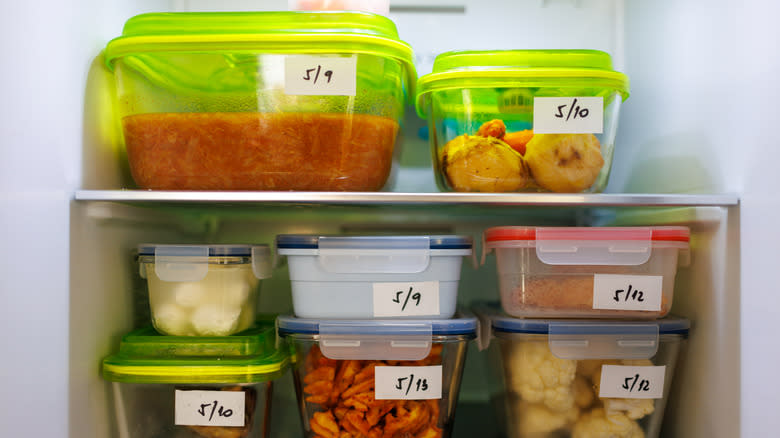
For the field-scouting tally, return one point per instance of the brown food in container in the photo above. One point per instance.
(344, 391)
(260, 151)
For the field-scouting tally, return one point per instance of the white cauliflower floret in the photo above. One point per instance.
(215, 320)
(596, 424)
(633, 408)
(170, 319)
(188, 294)
(537, 420)
(539, 377)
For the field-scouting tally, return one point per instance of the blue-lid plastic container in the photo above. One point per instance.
(570, 377)
(388, 373)
(203, 290)
(408, 277)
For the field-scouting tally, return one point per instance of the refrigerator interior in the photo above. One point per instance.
(699, 120)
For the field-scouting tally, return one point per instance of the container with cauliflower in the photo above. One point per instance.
(522, 120)
(378, 378)
(203, 290)
(587, 272)
(194, 387)
(581, 378)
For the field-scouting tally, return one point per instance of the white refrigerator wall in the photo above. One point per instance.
(701, 118)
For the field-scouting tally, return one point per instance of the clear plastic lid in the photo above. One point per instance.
(622, 246)
(191, 262)
(373, 254)
(378, 339)
(302, 241)
(583, 338)
(146, 356)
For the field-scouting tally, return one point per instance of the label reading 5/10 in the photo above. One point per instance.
(209, 408)
(320, 75)
(408, 383)
(627, 292)
(406, 299)
(568, 115)
(621, 381)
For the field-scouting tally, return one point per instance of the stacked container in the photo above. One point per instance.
(205, 368)
(579, 349)
(377, 349)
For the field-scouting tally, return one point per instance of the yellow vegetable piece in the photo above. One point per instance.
(566, 163)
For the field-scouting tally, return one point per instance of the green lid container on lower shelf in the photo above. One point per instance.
(247, 357)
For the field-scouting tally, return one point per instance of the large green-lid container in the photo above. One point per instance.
(148, 357)
(302, 100)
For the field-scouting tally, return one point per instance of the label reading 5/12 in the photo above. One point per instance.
(209, 408)
(627, 292)
(310, 75)
(621, 381)
(406, 299)
(408, 383)
(568, 115)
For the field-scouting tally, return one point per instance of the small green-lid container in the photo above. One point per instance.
(280, 32)
(521, 69)
(246, 357)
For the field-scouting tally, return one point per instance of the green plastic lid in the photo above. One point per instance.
(280, 32)
(146, 356)
(521, 69)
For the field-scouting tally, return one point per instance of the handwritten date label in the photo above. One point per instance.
(310, 75)
(408, 383)
(209, 408)
(621, 381)
(568, 115)
(627, 292)
(406, 299)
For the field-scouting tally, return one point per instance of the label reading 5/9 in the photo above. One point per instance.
(622, 381)
(209, 408)
(310, 75)
(408, 383)
(406, 299)
(627, 292)
(568, 115)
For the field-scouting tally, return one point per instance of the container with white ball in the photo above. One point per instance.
(203, 290)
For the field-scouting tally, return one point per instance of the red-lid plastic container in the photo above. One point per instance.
(587, 272)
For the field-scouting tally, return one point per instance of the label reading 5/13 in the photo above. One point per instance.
(209, 408)
(320, 75)
(627, 292)
(408, 383)
(568, 115)
(621, 381)
(406, 299)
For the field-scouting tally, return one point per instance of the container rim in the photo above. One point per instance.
(291, 325)
(496, 235)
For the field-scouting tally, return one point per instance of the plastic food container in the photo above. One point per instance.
(389, 378)
(374, 276)
(194, 387)
(522, 120)
(261, 100)
(598, 272)
(203, 290)
(581, 378)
